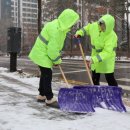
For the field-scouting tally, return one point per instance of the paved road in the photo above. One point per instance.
(74, 71)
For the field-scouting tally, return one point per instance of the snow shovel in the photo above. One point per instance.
(74, 100)
(110, 96)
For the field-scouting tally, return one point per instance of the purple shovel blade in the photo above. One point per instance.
(95, 92)
(105, 97)
(112, 97)
(75, 100)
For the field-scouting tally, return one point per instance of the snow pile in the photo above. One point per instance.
(121, 58)
(76, 57)
(3, 69)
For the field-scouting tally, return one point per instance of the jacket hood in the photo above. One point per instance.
(109, 22)
(67, 19)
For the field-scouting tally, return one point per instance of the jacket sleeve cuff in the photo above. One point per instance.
(57, 60)
(80, 32)
(96, 58)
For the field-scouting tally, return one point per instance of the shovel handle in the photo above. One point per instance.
(83, 56)
(64, 77)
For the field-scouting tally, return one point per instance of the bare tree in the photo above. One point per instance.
(49, 10)
(89, 11)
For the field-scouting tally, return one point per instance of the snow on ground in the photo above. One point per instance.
(121, 58)
(20, 111)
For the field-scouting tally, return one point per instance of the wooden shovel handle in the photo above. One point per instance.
(83, 56)
(64, 77)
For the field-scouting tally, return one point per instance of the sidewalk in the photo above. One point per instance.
(20, 111)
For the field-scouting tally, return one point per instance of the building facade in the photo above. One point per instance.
(5, 22)
(24, 14)
(19, 13)
(5, 8)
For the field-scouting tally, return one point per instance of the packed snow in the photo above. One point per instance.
(20, 111)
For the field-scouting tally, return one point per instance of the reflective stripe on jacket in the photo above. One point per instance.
(47, 48)
(103, 44)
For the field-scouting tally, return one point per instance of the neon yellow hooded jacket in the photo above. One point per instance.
(47, 48)
(103, 44)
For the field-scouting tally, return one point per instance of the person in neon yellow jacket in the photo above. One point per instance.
(46, 52)
(104, 43)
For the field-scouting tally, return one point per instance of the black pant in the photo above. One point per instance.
(109, 77)
(45, 83)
